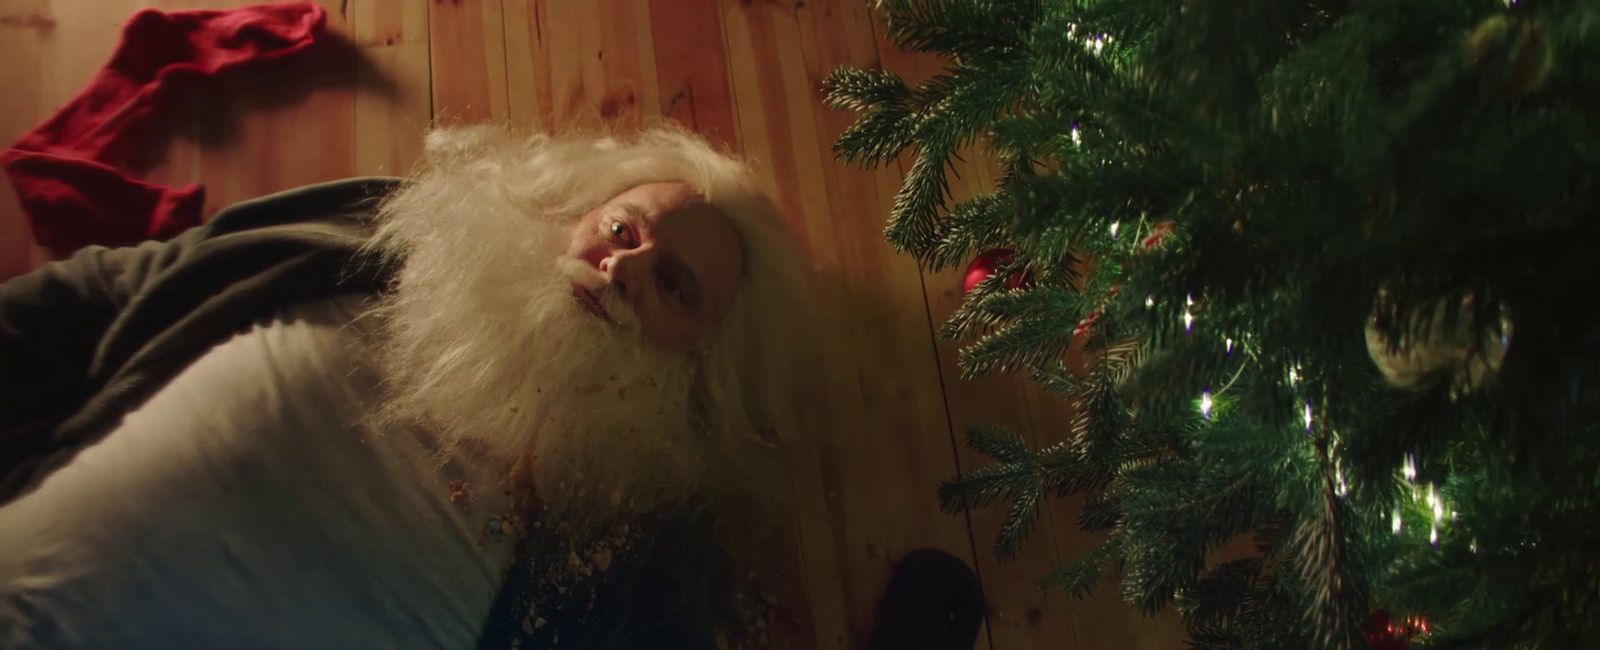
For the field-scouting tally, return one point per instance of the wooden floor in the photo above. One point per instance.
(743, 72)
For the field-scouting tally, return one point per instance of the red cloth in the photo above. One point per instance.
(71, 172)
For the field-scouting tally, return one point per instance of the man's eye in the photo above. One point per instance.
(620, 232)
(671, 287)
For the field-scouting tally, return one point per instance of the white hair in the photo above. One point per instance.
(483, 344)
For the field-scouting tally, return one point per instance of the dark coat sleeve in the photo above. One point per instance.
(84, 340)
(52, 322)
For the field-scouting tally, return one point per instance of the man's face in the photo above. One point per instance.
(672, 258)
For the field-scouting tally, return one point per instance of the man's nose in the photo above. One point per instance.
(623, 266)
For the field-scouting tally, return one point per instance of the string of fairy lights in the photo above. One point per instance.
(1424, 504)
(1428, 494)
(1425, 495)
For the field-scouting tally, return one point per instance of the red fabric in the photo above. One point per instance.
(71, 173)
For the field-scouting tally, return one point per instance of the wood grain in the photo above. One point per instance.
(284, 125)
(887, 442)
(890, 418)
(581, 65)
(393, 102)
(467, 58)
(692, 69)
(28, 46)
(1020, 615)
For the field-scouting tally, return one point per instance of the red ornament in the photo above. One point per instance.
(984, 266)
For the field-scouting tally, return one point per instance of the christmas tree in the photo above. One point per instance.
(1318, 275)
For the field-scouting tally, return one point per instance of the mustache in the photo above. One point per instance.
(576, 271)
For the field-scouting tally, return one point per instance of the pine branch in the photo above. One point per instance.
(1208, 638)
(1154, 570)
(1080, 576)
(1327, 566)
(948, 111)
(1020, 477)
(1101, 420)
(998, 443)
(855, 89)
(1016, 346)
(878, 137)
(1070, 469)
(1054, 378)
(1099, 512)
(911, 224)
(988, 484)
(1021, 518)
(973, 224)
(1015, 473)
(1219, 597)
(1005, 308)
(964, 28)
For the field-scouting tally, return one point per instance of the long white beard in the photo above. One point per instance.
(485, 344)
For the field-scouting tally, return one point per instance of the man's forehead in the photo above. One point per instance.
(697, 211)
(652, 200)
(631, 209)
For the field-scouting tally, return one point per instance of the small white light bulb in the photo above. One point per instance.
(1228, 344)
(1408, 467)
(1308, 416)
(1394, 521)
(1205, 403)
(1114, 226)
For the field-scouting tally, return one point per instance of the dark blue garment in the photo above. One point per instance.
(653, 591)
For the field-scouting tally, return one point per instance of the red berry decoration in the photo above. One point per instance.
(1158, 233)
(1086, 324)
(984, 265)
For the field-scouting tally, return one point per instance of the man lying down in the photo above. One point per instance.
(531, 398)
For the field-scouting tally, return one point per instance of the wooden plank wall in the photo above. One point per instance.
(745, 73)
